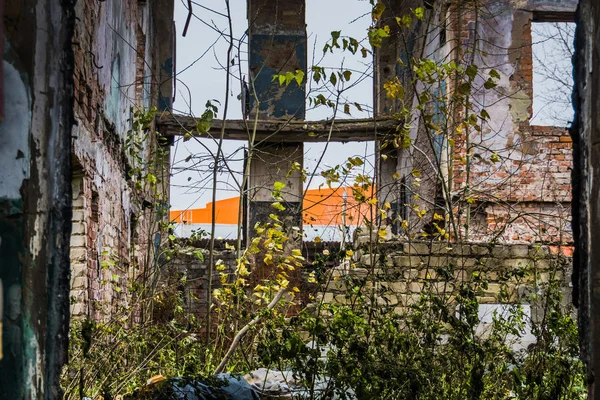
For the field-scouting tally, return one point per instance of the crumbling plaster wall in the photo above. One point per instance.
(35, 201)
(534, 161)
(116, 47)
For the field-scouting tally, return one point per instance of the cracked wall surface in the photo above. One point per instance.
(505, 162)
(123, 63)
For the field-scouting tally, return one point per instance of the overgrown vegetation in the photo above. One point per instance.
(271, 310)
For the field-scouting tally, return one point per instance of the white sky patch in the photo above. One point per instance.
(552, 47)
(200, 59)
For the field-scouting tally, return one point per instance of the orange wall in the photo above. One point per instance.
(321, 207)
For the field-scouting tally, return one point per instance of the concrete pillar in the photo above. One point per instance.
(277, 44)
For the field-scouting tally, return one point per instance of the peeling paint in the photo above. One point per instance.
(14, 134)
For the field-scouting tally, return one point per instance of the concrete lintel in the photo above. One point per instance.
(354, 130)
(552, 10)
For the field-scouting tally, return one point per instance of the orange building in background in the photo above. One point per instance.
(323, 208)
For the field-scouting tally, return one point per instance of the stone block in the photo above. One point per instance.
(78, 294)
(325, 297)
(407, 261)
(387, 300)
(487, 300)
(544, 264)
(398, 287)
(538, 252)
(441, 248)
(411, 274)
(500, 251)
(359, 272)
(519, 251)
(488, 263)
(479, 250)
(77, 215)
(337, 286)
(78, 241)
(77, 254)
(389, 261)
(369, 259)
(461, 275)
(78, 270)
(493, 289)
(78, 310)
(78, 202)
(517, 262)
(464, 262)
(416, 248)
(79, 282)
(341, 299)
(78, 228)
(415, 287)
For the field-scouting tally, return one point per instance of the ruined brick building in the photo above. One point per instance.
(124, 52)
(476, 155)
(478, 159)
(73, 71)
(76, 75)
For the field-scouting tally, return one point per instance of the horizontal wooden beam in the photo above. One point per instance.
(342, 130)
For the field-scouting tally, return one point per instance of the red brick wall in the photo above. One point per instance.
(104, 234)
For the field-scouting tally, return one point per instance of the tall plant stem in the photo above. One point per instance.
(211, 254)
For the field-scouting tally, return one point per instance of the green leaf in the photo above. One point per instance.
(484, 114)
(347, 108)
(333, 79)
(377, 11)
(489, 84)
(406, 20)
(299, 76)
(465, 88)
(278, 186)
(172, 237)
(419, 12)
(281, 79)
(289, 77)
(471, 71)
(494, 74)
(358, 106)
(347, 75)
(151, 179)
(278, 206)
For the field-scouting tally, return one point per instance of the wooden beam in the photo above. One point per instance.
(352, 130)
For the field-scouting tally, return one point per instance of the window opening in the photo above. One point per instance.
(552, 50)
